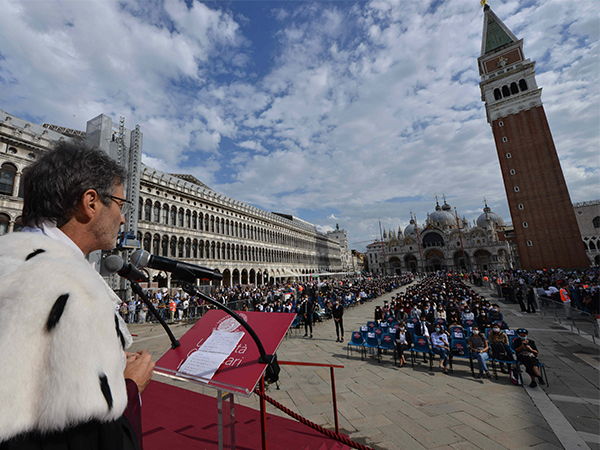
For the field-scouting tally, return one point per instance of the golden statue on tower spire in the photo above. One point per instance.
(483, 3)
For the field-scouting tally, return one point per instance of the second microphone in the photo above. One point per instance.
(183, 271)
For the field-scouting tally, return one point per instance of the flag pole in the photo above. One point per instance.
(419, 242)
(382, 248)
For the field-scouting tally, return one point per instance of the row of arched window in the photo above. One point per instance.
(174, 247)
(164, 214)
(508, 90)
(8, 173)
(5, 224)
(591, 245)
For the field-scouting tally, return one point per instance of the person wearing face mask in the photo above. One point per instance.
(403, 342)
(479, 348)
(453, 319)
(527, 355)
(440, 312)
(483, 320)
(424, 327)
(378, 316)
(338, 313)
(495, 313)
(440, 346)
(499, 345)
(467, 314)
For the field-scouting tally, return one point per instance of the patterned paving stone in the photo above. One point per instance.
(387, 407)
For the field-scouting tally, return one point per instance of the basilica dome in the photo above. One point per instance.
(410, 229)
(492, 217)
(442, 217)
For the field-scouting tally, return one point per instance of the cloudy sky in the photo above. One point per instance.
(334, 111)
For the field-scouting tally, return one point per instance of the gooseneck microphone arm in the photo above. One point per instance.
(139, 291)
(272, 374)
(187, 274)
(114, 263)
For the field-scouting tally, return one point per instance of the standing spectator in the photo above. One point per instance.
(142, 313)
(566, 299)
(338, 313)
(186, 306)
(131, 311)
(531, 300)
(378, 316)
(306, 310)
(519, 296)
(172, 309)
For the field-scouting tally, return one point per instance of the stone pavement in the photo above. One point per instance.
(387, 407)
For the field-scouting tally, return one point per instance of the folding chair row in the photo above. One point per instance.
(371, 342)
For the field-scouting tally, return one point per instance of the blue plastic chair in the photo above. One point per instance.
(363, 331)
(421, 345)
(411, 328)
(467, 325)
(372, 325)
(503, 325)
(457, 332)
(442, 322)
(356, 341)
(487, 334)
(387, 343)
(372, 342)
(509, 362)
(295, 325)
(384, 326)
(459, 348)
(379, 333)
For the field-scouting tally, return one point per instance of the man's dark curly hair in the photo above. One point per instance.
(56, 182)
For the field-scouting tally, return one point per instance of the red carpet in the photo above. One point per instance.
(178, 419)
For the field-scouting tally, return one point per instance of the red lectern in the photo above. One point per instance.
(240, 371)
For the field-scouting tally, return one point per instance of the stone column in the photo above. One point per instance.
(16, 184)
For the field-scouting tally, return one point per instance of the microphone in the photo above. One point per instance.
(114, 263)
(181, 270)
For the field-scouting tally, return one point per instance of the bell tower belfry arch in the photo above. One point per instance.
(544, 221)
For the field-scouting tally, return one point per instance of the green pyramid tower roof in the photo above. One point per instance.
(496, 36)
(495, 33)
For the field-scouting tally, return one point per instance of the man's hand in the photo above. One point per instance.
(139, 368)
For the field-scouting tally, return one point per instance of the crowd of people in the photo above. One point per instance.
(436, 296)
(442, 308)
(318, 296)
(579, 288)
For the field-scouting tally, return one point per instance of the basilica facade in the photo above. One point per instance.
(443, 242)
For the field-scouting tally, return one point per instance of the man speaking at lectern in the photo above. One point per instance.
(65, 379)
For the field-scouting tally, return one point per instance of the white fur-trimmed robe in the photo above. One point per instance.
(61, 344)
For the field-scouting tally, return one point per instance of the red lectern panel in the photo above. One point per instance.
(241, 371)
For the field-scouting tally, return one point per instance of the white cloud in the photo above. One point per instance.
(361, 104)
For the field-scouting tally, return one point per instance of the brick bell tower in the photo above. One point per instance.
(542, 213)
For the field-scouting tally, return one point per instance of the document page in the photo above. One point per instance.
(205, 361)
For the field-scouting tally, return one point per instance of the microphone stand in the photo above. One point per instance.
(139, 291)
(272, 374)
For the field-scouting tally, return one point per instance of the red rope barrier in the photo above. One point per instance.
(314, 426)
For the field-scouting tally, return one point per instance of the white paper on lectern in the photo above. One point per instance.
(222, 342)
(205, 361)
